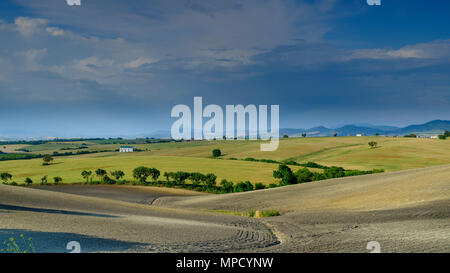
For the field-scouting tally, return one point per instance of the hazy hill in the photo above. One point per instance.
(429, 128)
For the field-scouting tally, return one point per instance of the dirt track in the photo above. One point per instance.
(407, 211)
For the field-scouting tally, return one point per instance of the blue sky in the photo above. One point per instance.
(112, 67)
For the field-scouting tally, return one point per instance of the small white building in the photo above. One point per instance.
(434, 137)
(358, 134)
(126, 149)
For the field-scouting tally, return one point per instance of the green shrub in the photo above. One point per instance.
(334, 172)
(259, 186)
(285, 174)
(269, 213)
(304, 175)
(243, 186)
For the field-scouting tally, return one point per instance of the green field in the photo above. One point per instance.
(392, 154)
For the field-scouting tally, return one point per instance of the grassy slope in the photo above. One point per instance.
(349, 152)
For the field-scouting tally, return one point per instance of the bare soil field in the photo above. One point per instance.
(406, 211)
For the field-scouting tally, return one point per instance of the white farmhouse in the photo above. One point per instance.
(359, 135)
(126, 149)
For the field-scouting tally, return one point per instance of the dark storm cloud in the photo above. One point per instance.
(133, 60)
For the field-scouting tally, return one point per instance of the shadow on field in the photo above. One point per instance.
(19, 208)
(56, 242)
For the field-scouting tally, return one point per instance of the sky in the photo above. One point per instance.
(116, 68)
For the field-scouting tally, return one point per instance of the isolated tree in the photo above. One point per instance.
(285, 136)
(86, 174)
(141, 173)
(118, 174)
(335, 134)
(5, 177)
(377, 134)
(44, 180)
(48, 159)
(101, 174)
(57, 179)
(372, 144)
(28, 181)
(216, 153)
(304, 135)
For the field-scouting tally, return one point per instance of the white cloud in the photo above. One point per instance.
(139, 62)
(55, 31)
(432, 50)
(28, 26)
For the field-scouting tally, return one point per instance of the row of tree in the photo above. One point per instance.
(288, 177)
(5, 177)
(189, 180)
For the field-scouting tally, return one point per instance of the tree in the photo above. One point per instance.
(304, 135)
(5, 177)
(180, 177)
(86, 174)
(141, 173)
(196, 178)
(47, 160)
(372, 144)
(286, 175)
(447, 133)
(118, 174)
(377, 134)
(167, 175)
(155, 173)
(28, 181)
(285, 136)
(304, 175)
(44, 180)
(443, 137)
(227, 186)
(57, 179)
(335, 134)
(216, 153)
(101, 174)
(210, 180)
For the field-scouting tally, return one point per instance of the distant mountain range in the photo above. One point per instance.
(430, 128)
(434, 127)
